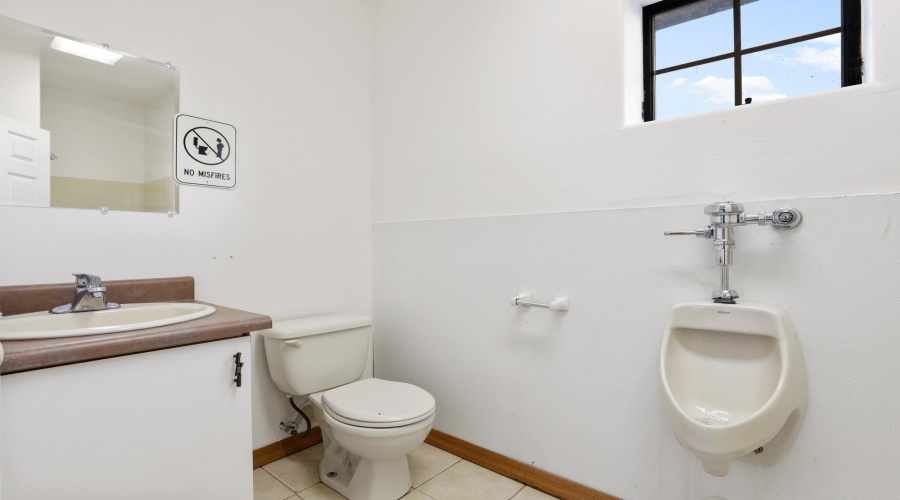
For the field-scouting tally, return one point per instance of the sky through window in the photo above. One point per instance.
(791, 70)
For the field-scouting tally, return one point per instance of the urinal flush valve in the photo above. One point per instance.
(723, 218)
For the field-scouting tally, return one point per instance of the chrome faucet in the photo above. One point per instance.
(723, 218)
(89, 296)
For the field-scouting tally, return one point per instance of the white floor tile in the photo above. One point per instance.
(320, 492)
(426, 461)
(266, 487)
(416, 495)
(529, 493)
(467, 481)
(300, 470)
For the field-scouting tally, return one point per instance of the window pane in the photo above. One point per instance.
(697, 89)
(792, 70)
(695, 31)
(767, 21)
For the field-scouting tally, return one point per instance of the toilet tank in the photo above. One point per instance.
(316, 353)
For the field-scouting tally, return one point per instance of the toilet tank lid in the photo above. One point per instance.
(314, 325)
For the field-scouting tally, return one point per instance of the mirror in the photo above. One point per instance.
(83, 126)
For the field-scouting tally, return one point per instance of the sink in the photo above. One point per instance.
(45, 325)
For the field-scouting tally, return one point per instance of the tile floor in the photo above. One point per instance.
(436, 475)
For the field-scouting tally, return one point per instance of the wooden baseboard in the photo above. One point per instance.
(285, 447)
(536, 478)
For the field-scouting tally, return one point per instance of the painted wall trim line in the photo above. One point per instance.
(285, 447)
(523, 473)
(650, 206)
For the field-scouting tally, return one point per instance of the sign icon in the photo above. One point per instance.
(204, 152)
(207, 145)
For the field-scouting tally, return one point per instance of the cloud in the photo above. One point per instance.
(718, 90)
(678, 82)
(833, 40)
(721, 90)
(751, 83)
(825, 59)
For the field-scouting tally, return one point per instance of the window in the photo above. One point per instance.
(694, 49)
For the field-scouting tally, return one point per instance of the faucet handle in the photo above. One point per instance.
(86, 280)
(703, 232)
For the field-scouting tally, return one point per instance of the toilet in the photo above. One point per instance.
(368, 426)
(733, 382)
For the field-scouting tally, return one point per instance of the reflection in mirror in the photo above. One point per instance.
(83, 126)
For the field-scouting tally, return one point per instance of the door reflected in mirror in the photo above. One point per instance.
(84, 126)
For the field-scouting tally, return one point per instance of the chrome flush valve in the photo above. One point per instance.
(723, 218)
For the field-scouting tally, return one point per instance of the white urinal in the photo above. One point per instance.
(733, 382)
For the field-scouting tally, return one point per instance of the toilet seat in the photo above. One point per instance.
(376, 403)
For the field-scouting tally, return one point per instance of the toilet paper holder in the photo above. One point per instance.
(560, 304)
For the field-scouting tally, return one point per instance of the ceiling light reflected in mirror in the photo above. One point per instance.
(92, 52)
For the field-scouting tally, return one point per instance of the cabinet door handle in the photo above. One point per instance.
(237, 369)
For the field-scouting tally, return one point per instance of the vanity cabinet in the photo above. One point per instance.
(166, 424)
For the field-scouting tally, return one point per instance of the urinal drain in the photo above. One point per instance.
(712, 422)
(332, 474)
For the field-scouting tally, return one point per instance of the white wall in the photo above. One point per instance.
(294, 237)
(105, 139)
(489, 109)
(158, 137)
(576, 393)
(20, 81)
(516, 106)
(94, 137)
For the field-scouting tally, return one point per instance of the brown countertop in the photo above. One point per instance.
(25, 355)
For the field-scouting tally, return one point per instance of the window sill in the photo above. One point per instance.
(861, 89)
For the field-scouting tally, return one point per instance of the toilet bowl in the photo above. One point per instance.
(733, 382)
(368, 426)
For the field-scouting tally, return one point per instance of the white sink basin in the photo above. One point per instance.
(46, 325)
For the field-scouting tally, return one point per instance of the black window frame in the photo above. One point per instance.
(851, 49)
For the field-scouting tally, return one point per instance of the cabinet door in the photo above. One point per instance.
(168, 424)
(1, 423)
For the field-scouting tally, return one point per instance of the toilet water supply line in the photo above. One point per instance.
(291, 427)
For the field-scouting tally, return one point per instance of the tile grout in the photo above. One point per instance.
(282, 482)
(522, 486)
(445, 469)
(311, 487)
(273, 476)
(423, 493)
(517, 491)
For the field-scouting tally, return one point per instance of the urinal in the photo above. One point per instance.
(733, 382)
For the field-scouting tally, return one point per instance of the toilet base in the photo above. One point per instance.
(371, 479)
(359, 478)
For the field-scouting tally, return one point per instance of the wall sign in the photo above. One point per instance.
(204, 152)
